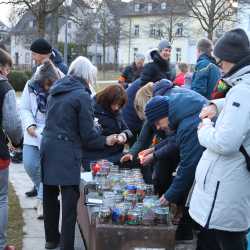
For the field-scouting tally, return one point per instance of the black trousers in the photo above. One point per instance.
(51, 206)
(164, 169)
(210, 239)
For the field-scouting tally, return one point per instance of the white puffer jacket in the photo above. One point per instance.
(221, 196)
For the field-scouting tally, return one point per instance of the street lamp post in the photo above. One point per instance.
(67, 5)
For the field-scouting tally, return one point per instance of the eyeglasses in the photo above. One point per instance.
(219, 62)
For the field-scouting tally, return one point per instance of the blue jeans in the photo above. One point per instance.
(32, 165)
(4, 175)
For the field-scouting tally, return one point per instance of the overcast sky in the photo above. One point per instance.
(4, 13)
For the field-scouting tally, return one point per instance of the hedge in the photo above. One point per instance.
(18, 79)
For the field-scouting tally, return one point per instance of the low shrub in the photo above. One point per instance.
(18, 79)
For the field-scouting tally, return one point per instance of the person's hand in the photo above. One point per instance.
(111, 140)
(147, 151)
(205, 122)
(122, 138)
(146, 160)
(209, 111)
(32, 131)
(126, 157)
(164, 201)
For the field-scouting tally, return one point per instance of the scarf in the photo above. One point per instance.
(41, 95)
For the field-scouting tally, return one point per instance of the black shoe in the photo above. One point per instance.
(16, 157)
(31, 193)
(51, 245)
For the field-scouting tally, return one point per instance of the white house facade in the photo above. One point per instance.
(148, 22)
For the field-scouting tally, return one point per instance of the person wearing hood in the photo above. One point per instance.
(159, 152)
(206, 73)
(129, 114)
(154, 71)
(11, 131)
(69, 130)
(33, 109)
(167, 114)
(57, 59)
(221, 199)
(160, 67)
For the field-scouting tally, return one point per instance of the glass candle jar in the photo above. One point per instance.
(133, 217)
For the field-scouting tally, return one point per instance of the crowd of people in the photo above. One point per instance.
(188, 132)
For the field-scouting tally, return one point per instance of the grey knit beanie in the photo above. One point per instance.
(164, 44)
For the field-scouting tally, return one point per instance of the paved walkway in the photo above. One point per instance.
(33, 229)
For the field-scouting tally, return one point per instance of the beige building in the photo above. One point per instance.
(145, 23)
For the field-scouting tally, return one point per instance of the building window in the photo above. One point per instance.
(178, 54)
(156, 31)
(69, 25)
(137, 31)
(137, 7)
(135, 52)
(31, 24)
(160, 31)
(163, 6)
(179, 30)
(27, 58)
(150, 7)
(152, 30)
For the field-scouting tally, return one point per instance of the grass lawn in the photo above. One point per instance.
(108, 75)
(15, 227)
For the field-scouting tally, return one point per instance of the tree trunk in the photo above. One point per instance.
(104, 56)
(170, 35)
(55, 32)
(85, 50)
(41, 18)
(210, 35)
(41, 26)
(211, 20)
(116, 58)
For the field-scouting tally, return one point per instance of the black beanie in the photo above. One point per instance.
(41, 46)
(233, 46)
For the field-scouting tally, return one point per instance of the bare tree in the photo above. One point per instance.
(105, 19)
(174, 17)
(86, 32)
(13, 17)
(211, 13)
(39, 9)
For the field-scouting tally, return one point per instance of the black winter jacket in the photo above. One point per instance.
(156, 70)
(68, 132)
(108, 123)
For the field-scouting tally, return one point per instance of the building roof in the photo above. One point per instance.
(154, 7)
(27, 24)
(3, 27)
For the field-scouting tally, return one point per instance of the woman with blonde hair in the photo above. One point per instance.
(142, 97)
